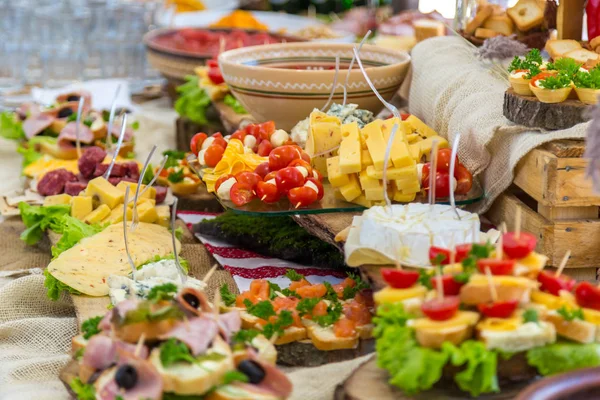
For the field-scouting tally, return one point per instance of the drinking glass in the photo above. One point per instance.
(15, 49)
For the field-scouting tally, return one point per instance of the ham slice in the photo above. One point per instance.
(27, 110)
(149, 384)
(117, 313)
(36, 124)
(204, 305)
(101, 351)
(229, 323)
(275, 381)
(116, 131)
(69, 134)
(197, 333)
(64, 98)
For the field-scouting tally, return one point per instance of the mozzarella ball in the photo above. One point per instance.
(312, 186)
(303, 171)
(279, 137)
(225, 188)
(201, 157)
(249, 141)
(272, 182)
(206, 144)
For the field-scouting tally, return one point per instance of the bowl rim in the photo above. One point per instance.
(224, 58)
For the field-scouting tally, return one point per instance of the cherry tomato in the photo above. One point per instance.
(554, 284)
(439, 255)
(248, 178)
(196, 142)
(241, 194)
(213, 154)
(404, 116)
(282, 156)
(302, 163)
(302, 196)
(443, 159)
(217, 135)
(449, 285)
(222, 179)
(497, 267)
(219, 141)
(304, 155)
(319, 186)
(441, 309)
(518, 247)
(289, 178)
(267, 192)
(214, 74)
(254, 130)
(588, 296)
(464, 179)
(268, 128)
(264, 148)
(262, 170)
(499, 309)
(442, 182)
(239, 135)
(462, 251)
(399, 278)
(270, 175)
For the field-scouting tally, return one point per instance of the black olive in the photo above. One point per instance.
(126, 377)
(65, 112)
(191, 299)
(252, 370)
(73, 97)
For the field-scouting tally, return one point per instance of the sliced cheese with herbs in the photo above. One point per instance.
(87, 265)
(324, 136)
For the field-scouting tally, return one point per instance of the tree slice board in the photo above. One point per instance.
(530, 112)
(305, 354)
(566, 148)
(199, 201)
(326, 226)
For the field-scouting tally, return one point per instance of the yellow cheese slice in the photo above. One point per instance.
(504, 280)
(81, 206)
(403, 173)
(351, 190)
(350, 151)
(375, 143)
(116, 215)
(365, 158)
(461, 318)
(367, 182)
(404, 198)
(57, 199)
(420, 127)
(336, 178)
(399, 152)
(97, 215)
(86, 266)
(499, 324)
(324, 136)
(391, 295)
(102, 190)
(549, 301)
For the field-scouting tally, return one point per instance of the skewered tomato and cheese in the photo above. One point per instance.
(403, 287)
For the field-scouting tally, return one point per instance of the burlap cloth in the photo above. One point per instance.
(452, 91)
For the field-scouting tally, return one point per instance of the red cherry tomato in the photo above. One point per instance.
(289, 178)
(264, 148)
(241, 194)
(262, 170)
(217, 135)
(196, 142)
(442, 182)
(499, 309)
(248, 178)
(267, 192)
(254, 130)
(439, 255)
(462, 251)
(219, 141)
(497, 267)
(270, 175)
(449, 285)
(305, 156)
(399, 278)
(319, 186)
(404, 116)
(282, 156)
(518, 247)
(554, 284)
(302, 196)
(302, 163)
(214, 74)
(268, 128)
(588, 296)
(213, 154)
(239, 135)
(443, 159)
(441, 309)
(464, 179)
(222, 179)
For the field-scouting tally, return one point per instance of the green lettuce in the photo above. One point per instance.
(193, 101)
(10, 127)
(479, 373)
(83, 391)
(56, 287)
(38, 219)
(73, 230)
(562, 357)
(232, 102)
(29, 155)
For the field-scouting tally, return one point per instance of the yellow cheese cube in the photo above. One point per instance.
(367, 182)
(374, 194)
(413, 138)
(428, 143)
(404, 198)
(350, 151)
(116, 215)
(97, 215)
(389, 295)
(408, 186)
(415, 151)
(409, 172)
(147, 213)
(148, 194)
(420, 127)
(375, 143)
(100, 189)
(164, 216)
(81, 206)
(365, 158)
(399, 153)
(141, 201)
(324, 135)
(336, 178)
(57, 199)
(362, 201)
(351, 190)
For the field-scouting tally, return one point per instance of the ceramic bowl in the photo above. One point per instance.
(285, 82)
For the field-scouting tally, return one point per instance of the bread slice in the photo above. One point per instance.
(292, 334)
(483, 33)
(428, 28)
(558, 48)
(523, 337)
(77, 343)
(499, 23)
(433, 334)
(526, 14)
(325, 339)
(595, 42)
(239, 392)
(508, 288)
(577, 330)
(483, 13)
(582, 55)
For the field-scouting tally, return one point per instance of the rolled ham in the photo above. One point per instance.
(197, 333)
(36, 124)
(69, 134)
(101, 351)
(149, 384)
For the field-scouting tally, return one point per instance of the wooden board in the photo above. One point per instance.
(530, 112)
(326, 226)
(305, 354)
(199, 201)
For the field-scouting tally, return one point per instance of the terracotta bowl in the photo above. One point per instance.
(285, 82)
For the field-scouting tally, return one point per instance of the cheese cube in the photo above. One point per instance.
(365, 158)
(367, 182)
(409, 172)
(164, 216)
(374, 194)
(57, 199)
(116, 215)
(141, 201)
(404, 198)
(415, 151)
(420, 127)
(428, 143)
(147, 213)
(375, 143)
(148, 194)
(399, 154)
(101, 189)
(408, 186)
(362, 201)
(350, 151)
(324, 135)
(97, 215)
(351, 190)
(81, 206)
(336, 178)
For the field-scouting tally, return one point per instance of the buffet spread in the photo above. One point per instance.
(346, 231)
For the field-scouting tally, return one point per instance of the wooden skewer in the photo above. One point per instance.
(493, 291)
(274, 338)
(217, 304)
(440, 287)
(563, 263)
(518, 223)
(210, 273)
(433, 172)
(499, 248)
(279, 294)
(140, 344)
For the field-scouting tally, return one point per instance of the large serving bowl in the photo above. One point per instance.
(285, 82)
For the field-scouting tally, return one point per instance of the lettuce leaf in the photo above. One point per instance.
(232, 102)
(562, 357)
(73, 230)
(83, 391)
(38, 219)
(479, 373)
(193, 101)
(10, 127)
(29, 155)
(56, 287)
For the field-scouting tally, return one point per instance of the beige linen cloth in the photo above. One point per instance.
(453, 91)
(35, 333)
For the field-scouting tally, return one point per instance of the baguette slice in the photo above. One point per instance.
(239, 392)
(558, 48)
(508, 288)
(582, 55)
(483, 12)
(325, 339)
(526, 14)
(499, 23)
(484, 33)
(78, 343)
(595, 42)
(432, 334)
(515, 337)
(577, 330)
(428, 28)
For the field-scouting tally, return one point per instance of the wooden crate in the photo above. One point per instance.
(558, 205)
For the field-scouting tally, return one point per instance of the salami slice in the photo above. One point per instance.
(118, 170)
(115, 180)
(161, 194)
(54, 182)
(75, 188)
(133, 170)
(91, 157)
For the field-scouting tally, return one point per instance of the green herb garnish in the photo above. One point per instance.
(245, 336)
(166, 291)
(350, 292)
(425, 278)
(234, 376)
(334, 312)
(588, 80)
(232, 102)
(293, 276)
(227, 297)
(530, 315)
(570, 315)
(560, 81)
(305, 306)
(567, 65)
(83, 391)
(284, 319)
(90, 328)
(173, 351)
(176, 176)
(262, 309)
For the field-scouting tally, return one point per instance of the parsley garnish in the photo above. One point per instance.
(439, 259)
(90, 328)
(173, 158)
(227, 297)
(263, 309)
(530, 315)
(566, 65)
(173, 351)
(245, 336)
(305, 306)
(79, 354)
(166, 291)
(462, 277)
(136, 125)
(148, 176)
(350, 292)
(290, 293)
(570, 315)
(330, 295)
(176, 176)
(234, 376)
(292, 275)
(334, 312)
(284, 319)
(560, 81)
(83, 391)
(273, 287)
(425, 278)
(588, 80)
